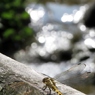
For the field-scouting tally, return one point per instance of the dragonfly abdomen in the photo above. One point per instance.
(56, 90)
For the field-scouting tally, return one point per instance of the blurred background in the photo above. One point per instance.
(51, 36)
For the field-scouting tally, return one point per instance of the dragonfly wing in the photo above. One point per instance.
(73, 72)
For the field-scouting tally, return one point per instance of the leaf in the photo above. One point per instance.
(25, 15)
(17, 3)
(17, 38)
(8, 33)
(28, 31)
(8, 15)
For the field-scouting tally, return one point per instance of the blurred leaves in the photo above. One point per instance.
(14, 28)
(24, 15)
(8, 33)
(17, 3)
(7, 15)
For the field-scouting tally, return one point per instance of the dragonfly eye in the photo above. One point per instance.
(45, 80)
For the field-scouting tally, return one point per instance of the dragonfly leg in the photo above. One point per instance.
(44, 88)
(50, 90)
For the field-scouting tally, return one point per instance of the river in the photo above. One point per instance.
(60, 39)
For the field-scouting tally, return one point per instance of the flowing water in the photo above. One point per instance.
(60, 39)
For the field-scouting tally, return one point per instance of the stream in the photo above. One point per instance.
(61, 41)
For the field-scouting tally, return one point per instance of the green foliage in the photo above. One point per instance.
(13, 25)
(8, 33)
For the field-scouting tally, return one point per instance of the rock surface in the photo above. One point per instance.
(18, 79)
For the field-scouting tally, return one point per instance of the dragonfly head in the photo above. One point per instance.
(45, 80)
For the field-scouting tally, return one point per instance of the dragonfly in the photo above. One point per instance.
(74, 72)
(51, 85)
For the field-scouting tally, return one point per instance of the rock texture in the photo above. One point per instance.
(18, 79)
